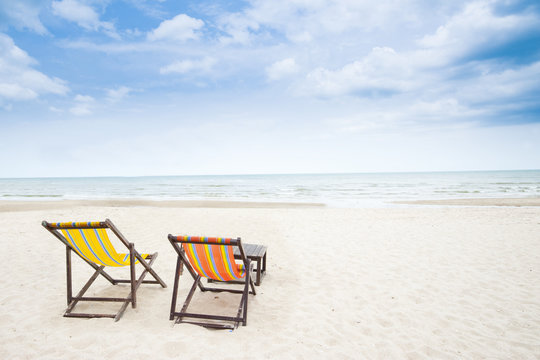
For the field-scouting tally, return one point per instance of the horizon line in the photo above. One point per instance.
(268, 174)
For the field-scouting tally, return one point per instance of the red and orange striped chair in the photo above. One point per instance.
(90, 241)
(211, 258)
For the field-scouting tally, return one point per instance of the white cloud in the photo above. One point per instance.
(80, 110)
(299, 37)
(238, 28)
(23, 14)
(84, 98)
(477, 25)
(506, 89)
(16, 92)
(426, 68)
(186, 66)
(282, 68)
(305, 20)
(380, 72)
(180, 28)
(84, 15)
(83, 105)
(55, 109)
(115, 95)
(18, 80)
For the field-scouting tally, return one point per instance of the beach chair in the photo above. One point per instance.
(90, 241)
(211, 258)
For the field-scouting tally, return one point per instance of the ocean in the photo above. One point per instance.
(377, 189)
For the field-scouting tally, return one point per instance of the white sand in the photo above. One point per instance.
(396, 283)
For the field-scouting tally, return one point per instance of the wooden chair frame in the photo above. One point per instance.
(133, 281)
(182, 259)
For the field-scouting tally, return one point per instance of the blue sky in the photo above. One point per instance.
(153, 87)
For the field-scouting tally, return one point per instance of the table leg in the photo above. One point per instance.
(258, 282)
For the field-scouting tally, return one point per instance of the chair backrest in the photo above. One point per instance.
(212, 257)
(91, 241)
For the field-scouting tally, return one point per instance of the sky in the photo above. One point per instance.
(155, 87)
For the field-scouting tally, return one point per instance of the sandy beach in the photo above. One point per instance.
(385, 153)
(417, 282)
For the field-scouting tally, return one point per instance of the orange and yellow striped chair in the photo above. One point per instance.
(211, 258)
(90, 241)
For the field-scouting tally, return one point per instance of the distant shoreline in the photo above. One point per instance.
(411, 172)
(25, 205)
(531, 201)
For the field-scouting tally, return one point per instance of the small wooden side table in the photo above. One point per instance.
(256, 253)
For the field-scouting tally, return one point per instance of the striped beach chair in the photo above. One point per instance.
(90, 241)
(211, 258)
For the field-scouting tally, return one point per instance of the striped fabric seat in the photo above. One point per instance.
(212, 260)
(61, 225)
(93, 244)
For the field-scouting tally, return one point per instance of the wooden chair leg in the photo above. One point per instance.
(132, 273)
(175, 287)
(69, 283)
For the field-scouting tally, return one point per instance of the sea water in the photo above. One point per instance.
(333, 189)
